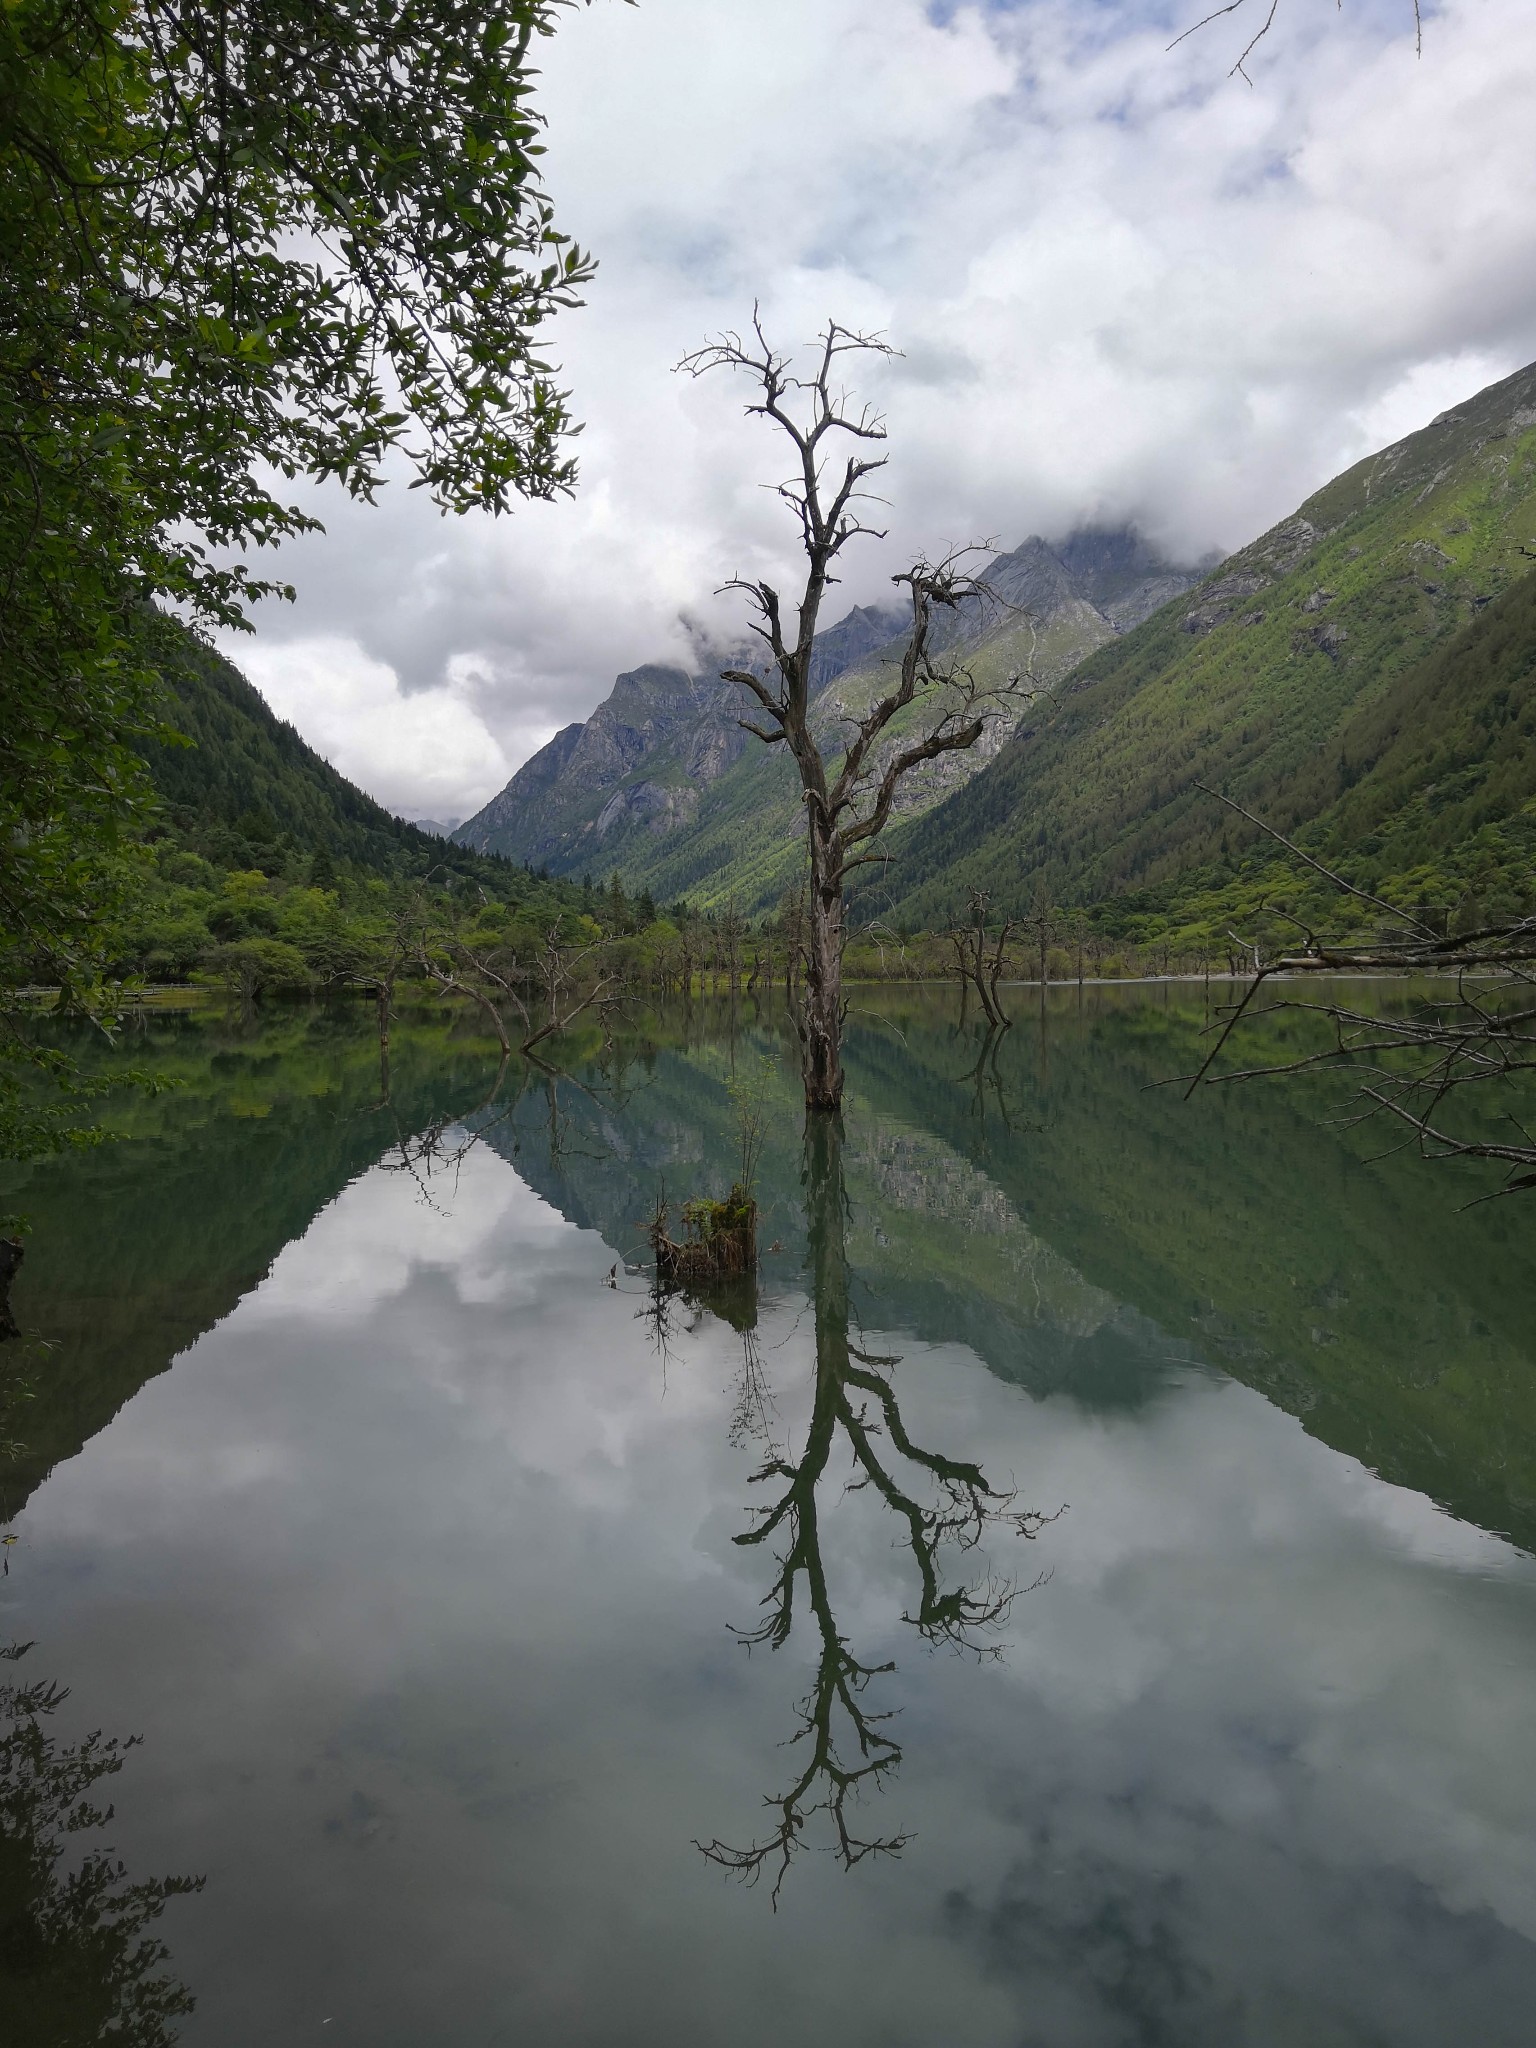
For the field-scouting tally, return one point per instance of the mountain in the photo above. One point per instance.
(640, 763)
(1363, 676)
(663, 784)
(248, 782)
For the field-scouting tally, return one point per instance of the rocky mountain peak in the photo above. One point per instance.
(663, 738)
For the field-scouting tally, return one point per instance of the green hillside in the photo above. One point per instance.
(663, 784)
(1440, 773)
(248, 782)
(746, 844)
(264, 867)
(1298, 677)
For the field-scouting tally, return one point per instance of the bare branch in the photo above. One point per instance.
(1338, 881)
(1239, 69)
(812, 409)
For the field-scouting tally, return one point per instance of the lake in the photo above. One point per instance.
(1134, 1643)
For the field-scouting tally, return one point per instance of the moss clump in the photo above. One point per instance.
(719, 1240)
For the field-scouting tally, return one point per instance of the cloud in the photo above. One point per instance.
(419, 753)
(1125, 285)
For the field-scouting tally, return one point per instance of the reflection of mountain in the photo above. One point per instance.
(1363, 1300)
(138, 1247)
(1116, 1234)
(922, 1264)
(1110, 1238)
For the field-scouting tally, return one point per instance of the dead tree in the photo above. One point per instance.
(12, 1251)
(980, 957)
(490, 982)
(1411, 1070)
(850, 771)
(1045, 931)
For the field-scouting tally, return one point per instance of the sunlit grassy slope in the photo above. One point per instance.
(1358, 676)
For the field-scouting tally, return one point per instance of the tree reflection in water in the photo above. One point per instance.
(76, 1964)
(941, 1504)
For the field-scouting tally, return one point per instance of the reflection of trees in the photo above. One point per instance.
(983, 1077)
(941, 1505)
(76, 1964)
(441, 1145)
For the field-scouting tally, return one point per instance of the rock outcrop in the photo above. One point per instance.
(641, 783)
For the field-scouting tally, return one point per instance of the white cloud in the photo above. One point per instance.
(417, 754)
(1125, 285)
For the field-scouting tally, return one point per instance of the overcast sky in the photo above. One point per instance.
(1126, 286)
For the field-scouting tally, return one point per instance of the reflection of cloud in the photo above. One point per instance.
(1259, 1747)
(363, 1249)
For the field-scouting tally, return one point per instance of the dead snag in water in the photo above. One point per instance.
(12, 1252)
(850, 765)
(1474, 1050)
(980, 957)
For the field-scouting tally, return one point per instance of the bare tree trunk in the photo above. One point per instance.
(821, 1009)
(386, 996)
(975, 969)
(849, 791)
(12, 1251)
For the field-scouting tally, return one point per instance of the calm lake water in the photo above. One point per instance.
(410, 1546)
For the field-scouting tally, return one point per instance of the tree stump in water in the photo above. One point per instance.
(719, 1241)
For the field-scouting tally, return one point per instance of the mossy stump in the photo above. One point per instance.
(719, 1241)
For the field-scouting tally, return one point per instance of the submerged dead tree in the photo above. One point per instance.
(1452, 1074)
(719, 1241)
(980, 957)
(851, 766)
(565, 982)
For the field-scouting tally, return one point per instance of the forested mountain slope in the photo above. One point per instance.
(1353, 677)
(662, 784)
(248, 781)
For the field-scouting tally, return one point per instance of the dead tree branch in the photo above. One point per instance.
(1409, 1067)
(852, 767)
